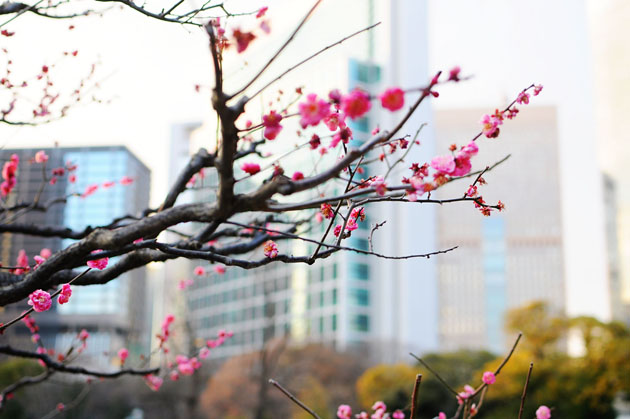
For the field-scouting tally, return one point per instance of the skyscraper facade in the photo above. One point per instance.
(113, 313)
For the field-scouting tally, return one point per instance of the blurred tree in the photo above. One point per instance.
(391, 384)
(575, 387)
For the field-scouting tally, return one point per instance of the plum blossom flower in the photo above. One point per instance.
(41, 157)
(83, 335)
(379, 406)
(453, 74)
(153, 381)
(344, 412)
(65, 294)
(204, 353)
(490, 126)
(489, 377)
(326, 210)
(543, 412)
(335, 120)
(351, 224)
(393, 99)
(126, 180)
(469, 150)
(443, 164)
(123, 354)
(98, 263)
(313, 110)
(9, 174)
(537, 89)
(40, 300)
(250, 168)
(380, 187)
(219, 269)
(523, 98)
(441, 415)
(337, 230)
(356, 104)
(261, 12)
(271, 122)
(199, 271)
(174, 375)
(270, 249)
(242, 39)
(297, 176)
(398, 414)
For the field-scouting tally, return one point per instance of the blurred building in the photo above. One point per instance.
(350, 301)
(113, 313)
(511, 258)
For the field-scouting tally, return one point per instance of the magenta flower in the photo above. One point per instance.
(65, 294)
(41, 157)
(543, 412)
(40, 300)
(98, 263)
(356, 104)
(123, 354)
(313, 110)
(468, 150)
(344, 412)
(199, 271)
(271, 122)
(398, 414)
(393, 99)
(443, 164)
(126, 180)
(153, 381)
(489, 377)
(523, 98)
(219, 269)
(379, 406)
(270, 249)
(250, 168)
(490, 126)
(537, 89)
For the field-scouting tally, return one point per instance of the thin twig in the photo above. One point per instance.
(435, 373)
(529, 373)
(293, 398)
(414, 396)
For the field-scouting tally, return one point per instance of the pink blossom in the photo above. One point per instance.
(60, 407)
(204, 353)
(98, 263)
(335, 120)
(83, 335)
(379, 185)
(543, 412)
(337, 230)
(351, 224)
(335, 96)
(462, 166)
(379, 406)
(108, 184)
(398, 414)
(174, 376)
(356, 104)
(523, 98)
(271, 122)
(443, 164)
(469, 150)
(453, 74)
(297, 176)
(270, 249)
(441, 415)
(199, 271)
(89, 190)
(489, 377)
(326, 210)
(344, 411)
(358, 213)
(9, 171)
(537, 89)
(242, 39)
(319, 217)
(65, 294)
(490, 126)
(123, 354)
(35, 338)
(393, 99)
(153, 381)
(72, 178)
(219, 269)
(184, 283)
(40, 300)
(344, 135)
(313, 110)
(45, 253)
(126, 180)
(261, 11)
(250, 168)
(362, 415)
(186, 368)
(41, 157)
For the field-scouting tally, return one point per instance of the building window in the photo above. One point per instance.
(334, 296)
(359, 297)
(359, 271)
(360, 323)
(334, 322)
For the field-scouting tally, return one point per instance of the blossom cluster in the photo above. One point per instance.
(379, 411)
